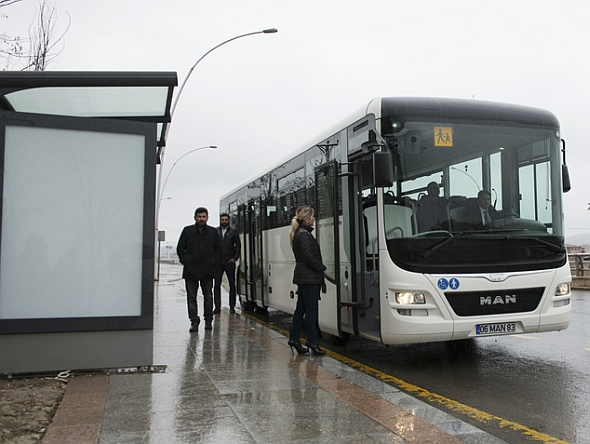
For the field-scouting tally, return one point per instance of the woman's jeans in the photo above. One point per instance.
(307, 307)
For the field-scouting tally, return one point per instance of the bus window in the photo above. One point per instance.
(543, 187)
(465, 178)
(535, 201)
(496, 179)
(292, 193)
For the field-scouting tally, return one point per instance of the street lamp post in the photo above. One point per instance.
(265, 31)
(159, 202)
(172, 110)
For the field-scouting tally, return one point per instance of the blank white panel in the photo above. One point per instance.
(72, 224)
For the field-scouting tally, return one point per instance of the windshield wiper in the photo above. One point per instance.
(549, 245)
(552, 247)
(431, 250)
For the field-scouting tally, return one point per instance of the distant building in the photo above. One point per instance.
(168, 252)
(572, 249)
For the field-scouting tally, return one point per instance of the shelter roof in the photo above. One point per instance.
(139, 96)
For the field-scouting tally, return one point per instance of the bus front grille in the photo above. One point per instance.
(478, 303)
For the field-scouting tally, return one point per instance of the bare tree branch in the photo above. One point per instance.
(8, 2)
(43, 40)
(36, 52)
(9, 46)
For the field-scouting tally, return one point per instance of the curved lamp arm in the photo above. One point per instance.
(169, 172)
(265, 31)
(175, 103)
(160, 189)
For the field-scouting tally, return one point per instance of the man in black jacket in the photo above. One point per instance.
(230, 253)
(481, 213)
(199, 249)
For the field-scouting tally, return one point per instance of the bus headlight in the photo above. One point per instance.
(562, 289)
(409, 297)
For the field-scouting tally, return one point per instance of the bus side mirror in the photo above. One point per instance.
(382, 169)
(565, 175)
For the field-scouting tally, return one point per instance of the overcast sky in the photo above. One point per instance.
(260, 97)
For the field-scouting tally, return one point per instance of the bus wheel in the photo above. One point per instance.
(261, 310)
(335, 340)
(462, 347)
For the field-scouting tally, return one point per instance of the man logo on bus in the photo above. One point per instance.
(498, 300)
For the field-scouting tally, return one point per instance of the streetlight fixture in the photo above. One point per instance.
(213, 147)
(173, 109)
(159, 202)
(182, 85)
(265, 31)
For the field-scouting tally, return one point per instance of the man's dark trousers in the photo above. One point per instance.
(229, 268)
(191, 299)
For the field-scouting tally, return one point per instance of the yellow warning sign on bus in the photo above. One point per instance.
(443, 136)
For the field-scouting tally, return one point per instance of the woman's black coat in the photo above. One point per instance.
(309, 268)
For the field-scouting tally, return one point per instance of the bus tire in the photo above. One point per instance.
(335, 340)
(462, 346)
(261, 310)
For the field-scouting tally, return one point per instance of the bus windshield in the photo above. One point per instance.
(470, 197)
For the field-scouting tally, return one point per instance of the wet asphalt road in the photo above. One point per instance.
(522, 388)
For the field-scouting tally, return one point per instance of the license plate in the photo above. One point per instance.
(493, 329)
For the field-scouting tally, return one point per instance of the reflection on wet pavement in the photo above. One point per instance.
(239, 383)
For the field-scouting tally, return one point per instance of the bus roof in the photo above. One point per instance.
(373, 107)
(421, 107)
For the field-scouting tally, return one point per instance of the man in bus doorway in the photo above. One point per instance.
(199, 249)
(230, 253)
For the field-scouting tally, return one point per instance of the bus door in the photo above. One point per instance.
(328, 213)
(360, 242)
(244, 266)
(254, 254)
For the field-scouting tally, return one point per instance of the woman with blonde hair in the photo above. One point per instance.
(309, 278)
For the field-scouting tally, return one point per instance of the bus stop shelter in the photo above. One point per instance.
(78, 155)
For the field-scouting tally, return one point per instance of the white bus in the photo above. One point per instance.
(390, 278)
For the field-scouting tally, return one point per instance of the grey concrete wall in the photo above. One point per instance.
(55, 352)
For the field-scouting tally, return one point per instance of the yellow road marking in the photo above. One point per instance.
(453, 405)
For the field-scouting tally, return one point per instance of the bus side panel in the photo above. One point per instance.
(346, 312)
(281, 264)
(328, 304)
(328, 310)
(280, 287)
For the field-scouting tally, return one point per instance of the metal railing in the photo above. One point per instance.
(580, 269)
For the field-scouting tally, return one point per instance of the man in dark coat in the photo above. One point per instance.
(199, 249)
(230, 253)
(431, 214)
(480, 213)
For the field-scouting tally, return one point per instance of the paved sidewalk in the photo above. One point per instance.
(239, 383)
